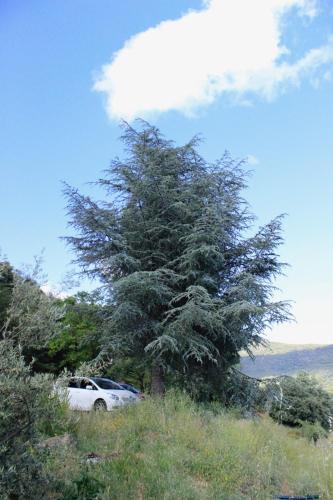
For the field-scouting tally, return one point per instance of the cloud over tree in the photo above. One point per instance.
(229, 46)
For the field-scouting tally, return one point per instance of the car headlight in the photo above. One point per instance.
(114, 397)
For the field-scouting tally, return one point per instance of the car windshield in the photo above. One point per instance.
(104, 383)
(130, 388)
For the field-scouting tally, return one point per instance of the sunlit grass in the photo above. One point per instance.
(174, 449)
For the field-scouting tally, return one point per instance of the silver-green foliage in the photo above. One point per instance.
(21, 471)
(190, 287)
(27, 406)
(32, 316)
(302, 399)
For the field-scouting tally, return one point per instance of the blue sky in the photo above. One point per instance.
(255, 78)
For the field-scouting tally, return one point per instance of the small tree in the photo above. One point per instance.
(189, 288)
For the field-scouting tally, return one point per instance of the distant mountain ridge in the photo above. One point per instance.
(289, 359)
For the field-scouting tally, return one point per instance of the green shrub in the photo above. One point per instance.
(83, 487)
(28, 413)
(301, 399)
(312, 432)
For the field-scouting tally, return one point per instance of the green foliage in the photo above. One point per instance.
(249, 395)
(130, 369)
(27, 406)
(6, 287)
(78, 337)
(27, 413)
(302, 399)
(189, 288)
(313, 432)
(84, 487)
(32, 317)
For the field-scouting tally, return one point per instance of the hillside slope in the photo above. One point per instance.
(172, 448)
(288, 359)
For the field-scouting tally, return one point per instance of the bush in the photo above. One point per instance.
(83, 487)
(28, 413)
(312, 432)
(301, 400)
(28, 410)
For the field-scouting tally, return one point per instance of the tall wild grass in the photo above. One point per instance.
(175, 449)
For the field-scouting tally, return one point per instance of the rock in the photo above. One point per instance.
(64, 441)
(93, 458)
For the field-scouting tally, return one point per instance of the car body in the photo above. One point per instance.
(88, 393)
(132, 389)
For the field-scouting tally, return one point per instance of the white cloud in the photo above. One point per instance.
(327, 76)
(230, 46)
(252, 160)
(52, 289)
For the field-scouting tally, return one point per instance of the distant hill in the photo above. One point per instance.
(290, 359)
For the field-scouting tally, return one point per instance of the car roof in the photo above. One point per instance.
(107, 379)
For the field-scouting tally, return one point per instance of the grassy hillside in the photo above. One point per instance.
(175, 449)
(281, 348)
(288, 359)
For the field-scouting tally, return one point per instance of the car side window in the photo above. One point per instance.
(85, 382)
(74, 383)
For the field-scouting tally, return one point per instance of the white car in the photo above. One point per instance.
(97, 393)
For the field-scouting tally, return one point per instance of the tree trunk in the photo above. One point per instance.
(157, 380)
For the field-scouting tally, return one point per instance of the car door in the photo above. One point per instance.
(74, 393)
(87, 394)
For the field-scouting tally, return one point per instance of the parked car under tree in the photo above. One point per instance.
(97, 393)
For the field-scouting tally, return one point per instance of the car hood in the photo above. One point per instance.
(122, 394)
